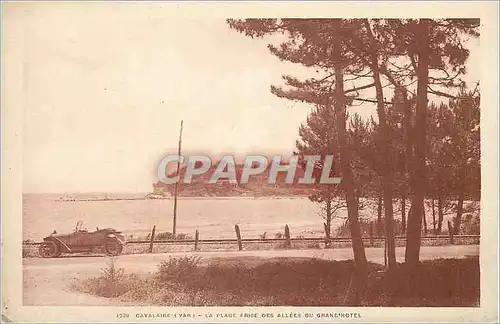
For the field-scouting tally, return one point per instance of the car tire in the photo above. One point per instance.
(49, 249)
(113, 247)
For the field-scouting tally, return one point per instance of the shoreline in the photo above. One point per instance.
(187, 198)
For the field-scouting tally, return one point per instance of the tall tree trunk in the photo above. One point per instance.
(414, 220)
(385, 146)
(328, 224)
(462, 174)
(409, 213)
(460, 209)
(424, 220)
(380, 228)
(440, 212)
(408, 156)
(345, 164)
(409, 143)
(403, 214)
(461, 189)
(433, 216)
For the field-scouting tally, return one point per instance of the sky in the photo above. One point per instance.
(105, 89)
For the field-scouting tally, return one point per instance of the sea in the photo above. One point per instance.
(213, 217)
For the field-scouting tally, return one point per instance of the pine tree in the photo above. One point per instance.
(437, 56)
(465, 147)
(318, 137)
(439, 125)
(434, 58)
(321, 44)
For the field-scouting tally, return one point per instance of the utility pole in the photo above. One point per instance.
(177, 184)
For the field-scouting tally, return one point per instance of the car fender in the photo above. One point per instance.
(113, 236)
(58, 240)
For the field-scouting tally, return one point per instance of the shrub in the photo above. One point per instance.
(183, 236)
(471, 224)
(181, 275)
(294, 282)
(178, 269)
(313, 245)
(29, 251)
(111, 282)
(169, 236)
(137, 289)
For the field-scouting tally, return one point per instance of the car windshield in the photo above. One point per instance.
(78, 226)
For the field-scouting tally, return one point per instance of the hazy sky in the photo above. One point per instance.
(106, 87)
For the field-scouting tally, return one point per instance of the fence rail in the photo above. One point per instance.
(274, 240)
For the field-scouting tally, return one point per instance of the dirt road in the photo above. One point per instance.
(47, 281)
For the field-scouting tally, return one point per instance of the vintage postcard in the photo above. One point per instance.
(250, 162)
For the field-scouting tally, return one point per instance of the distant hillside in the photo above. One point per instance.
(257, 185)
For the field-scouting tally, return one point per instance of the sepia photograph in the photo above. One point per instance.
(173, 165)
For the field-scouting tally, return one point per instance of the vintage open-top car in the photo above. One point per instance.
(109, 240)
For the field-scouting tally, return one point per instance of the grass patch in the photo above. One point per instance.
(257, 281)
(443, 282)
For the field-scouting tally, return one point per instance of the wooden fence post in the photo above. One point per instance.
(288, 242)
(371, 234)
(152, 239)
(196, 238)
(238, 236)
(450, 232)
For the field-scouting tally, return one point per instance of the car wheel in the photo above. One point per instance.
(113, 247)
(49, 249)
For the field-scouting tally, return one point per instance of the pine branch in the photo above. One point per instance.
(369, 100)
(440, 93)
(359, 88)
(325, 78)
(357, 76)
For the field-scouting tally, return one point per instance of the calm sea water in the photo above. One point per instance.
(213, 217)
